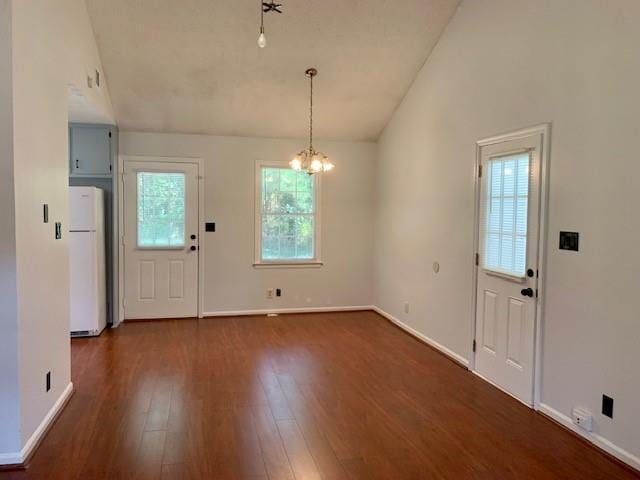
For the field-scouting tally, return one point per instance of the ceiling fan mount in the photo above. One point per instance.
(271, 7)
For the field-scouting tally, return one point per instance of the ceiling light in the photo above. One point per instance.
(266, 8)
(309, 160)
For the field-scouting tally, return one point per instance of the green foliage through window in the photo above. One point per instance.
(161, 203)
(288, 214)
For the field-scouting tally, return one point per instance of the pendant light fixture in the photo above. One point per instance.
(309, 160)
(266, 8)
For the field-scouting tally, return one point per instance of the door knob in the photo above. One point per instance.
(527, 292)
(193, 248)
(193, 236)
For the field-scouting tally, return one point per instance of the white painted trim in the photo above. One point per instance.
(18, 458)
(429, 341)
(288, 265)
(493, 384)
(240, 313)
(201, 251)
(545, 131)
(120, 220)
(11, 458)
(594, 438)
(316, 261)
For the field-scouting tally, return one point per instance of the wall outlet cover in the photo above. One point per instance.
(582, 418)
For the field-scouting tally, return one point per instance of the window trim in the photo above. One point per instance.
(258, 262)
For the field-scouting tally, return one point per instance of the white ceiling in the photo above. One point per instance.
(193, 66)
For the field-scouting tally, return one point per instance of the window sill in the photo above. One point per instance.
(309, 264)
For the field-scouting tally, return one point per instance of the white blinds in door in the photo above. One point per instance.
(505, 209)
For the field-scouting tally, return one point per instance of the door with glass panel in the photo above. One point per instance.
(506, 300)
(160, 239)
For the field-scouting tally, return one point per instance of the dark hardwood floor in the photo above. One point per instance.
(320, 396)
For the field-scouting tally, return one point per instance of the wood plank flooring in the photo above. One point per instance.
(328, 396)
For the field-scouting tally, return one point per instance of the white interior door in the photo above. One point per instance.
(160, 239)
(506, 300)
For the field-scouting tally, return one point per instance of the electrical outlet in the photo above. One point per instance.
(48, 381)
(406, 307)
(278, 292)
(270, 293)
(582, 418)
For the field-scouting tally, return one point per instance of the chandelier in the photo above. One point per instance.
(309, 160)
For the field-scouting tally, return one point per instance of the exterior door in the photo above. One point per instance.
(507, 276)
(160, 239)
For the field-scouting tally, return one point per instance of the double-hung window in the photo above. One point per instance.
(287, 216)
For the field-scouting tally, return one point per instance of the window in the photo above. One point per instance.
(506, 219)
(161, 203)
(286, 220)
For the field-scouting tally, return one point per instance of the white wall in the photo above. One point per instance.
(52, 46)
(9, 400)
(502, 65)
(230, 281)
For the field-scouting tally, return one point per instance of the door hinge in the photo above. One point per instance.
(109, 134)
(477, 259)
(474, 346)
(536, 293)
(479, 171)
(124, 302)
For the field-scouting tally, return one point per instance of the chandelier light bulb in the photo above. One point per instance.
(316, 165)
(296, 164)
(262, 40)
(327, 166)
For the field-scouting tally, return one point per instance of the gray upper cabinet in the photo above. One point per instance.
(91, 150)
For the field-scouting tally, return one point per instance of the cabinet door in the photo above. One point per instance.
(90, 149)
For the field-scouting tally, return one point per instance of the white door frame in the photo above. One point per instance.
(121, 167)
(544, 130)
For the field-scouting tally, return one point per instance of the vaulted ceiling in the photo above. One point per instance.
(193, 66)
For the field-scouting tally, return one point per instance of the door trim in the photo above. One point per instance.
(123, 159)
(544, 130)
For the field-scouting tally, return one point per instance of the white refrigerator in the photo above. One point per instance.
(87, 261)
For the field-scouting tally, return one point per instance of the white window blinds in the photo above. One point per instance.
(506, 204)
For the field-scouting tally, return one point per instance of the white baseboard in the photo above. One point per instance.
(503, 390)
(18, 458)
(239, 313)
(450, 353)
(11, 458)
(598, 440)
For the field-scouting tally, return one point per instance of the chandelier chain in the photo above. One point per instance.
(311, 117)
